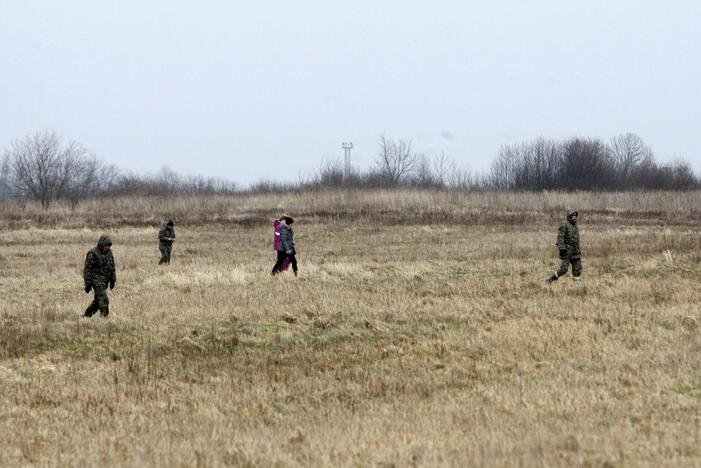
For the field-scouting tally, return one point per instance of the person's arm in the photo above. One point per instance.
(88, 271)
(561, 246)
(112, 271)
(166, 235)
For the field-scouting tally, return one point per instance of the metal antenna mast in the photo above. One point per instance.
(347, 147)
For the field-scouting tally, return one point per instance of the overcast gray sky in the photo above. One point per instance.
(268, 89)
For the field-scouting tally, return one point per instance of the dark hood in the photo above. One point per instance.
(104, 240)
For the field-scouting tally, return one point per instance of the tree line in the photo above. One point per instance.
(43, 168)
(625, 163)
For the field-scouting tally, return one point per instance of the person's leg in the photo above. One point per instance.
(293, 261)
(576, 269)
(163, 254)
(169, 249)
(280, 258)
(285, 265)
(93, 307)
(103, 301)
(564, 264)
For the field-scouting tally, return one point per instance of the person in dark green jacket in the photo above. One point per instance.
(568, 246)
(99, 273)
(166, 237)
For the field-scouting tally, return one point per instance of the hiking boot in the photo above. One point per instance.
(552, 279)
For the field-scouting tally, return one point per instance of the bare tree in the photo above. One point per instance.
(459, 178)
(441, 166)
(87, 177)
(684, 177)
(331, 173)
(503, 171)
(395, 159)
(585, 164)
(628, 151)
(4, 177)
(39, 167)
(423, 175)
(35, 167)
(541, 161)
(107, 178)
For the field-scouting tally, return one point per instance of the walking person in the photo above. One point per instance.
(99, 273)
(276, 244)
(286, 250)
(166, 237)
(568, 246)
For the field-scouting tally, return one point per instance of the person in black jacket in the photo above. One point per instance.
(166, 237)
(286, 250)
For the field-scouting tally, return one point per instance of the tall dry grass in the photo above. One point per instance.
(385, 206)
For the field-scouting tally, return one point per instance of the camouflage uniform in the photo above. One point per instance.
(165, 245)
(568, 245)
(98, 274)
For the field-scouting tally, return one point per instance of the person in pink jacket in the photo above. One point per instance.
(286, 250)
(277, 245)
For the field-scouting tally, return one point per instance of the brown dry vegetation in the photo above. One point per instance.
(369, 206)
(420, 332)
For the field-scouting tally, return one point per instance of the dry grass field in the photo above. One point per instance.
(420, 332)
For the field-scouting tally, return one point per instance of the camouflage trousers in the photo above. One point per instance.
(101, 302)
(576, 266)
(165, 253)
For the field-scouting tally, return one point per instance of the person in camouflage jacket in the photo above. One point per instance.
(98, 274)
(568, 246)
(166, 237)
